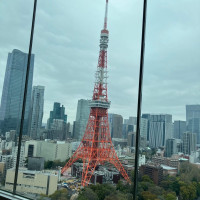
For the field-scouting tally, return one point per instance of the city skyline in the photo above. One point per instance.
(71, 145)
(171, 73)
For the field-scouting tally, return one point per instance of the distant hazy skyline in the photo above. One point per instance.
(66, 46)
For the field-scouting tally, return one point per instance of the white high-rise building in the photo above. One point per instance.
(143, 129)
(8, 160)
(22, 157)
(160, 129)
(36, 113)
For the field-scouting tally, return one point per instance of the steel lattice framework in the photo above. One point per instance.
(96, 147)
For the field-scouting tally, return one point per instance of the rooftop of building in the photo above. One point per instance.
(153, 165)
(166, 167)
(119, 139)
(44, 172)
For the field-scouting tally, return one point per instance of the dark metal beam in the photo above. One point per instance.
(139, 101)
(24, 98)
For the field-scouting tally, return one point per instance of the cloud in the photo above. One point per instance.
(66, 46)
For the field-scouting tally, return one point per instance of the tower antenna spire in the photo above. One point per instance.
(106, 16)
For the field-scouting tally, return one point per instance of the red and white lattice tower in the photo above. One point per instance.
(96, 147)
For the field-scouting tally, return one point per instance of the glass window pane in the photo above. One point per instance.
(171, 100)
(15, 26)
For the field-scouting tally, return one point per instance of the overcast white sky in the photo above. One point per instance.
(66, 46)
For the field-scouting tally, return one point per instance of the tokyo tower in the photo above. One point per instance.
(96, 147)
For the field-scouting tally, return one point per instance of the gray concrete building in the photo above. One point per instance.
(58, 112)
(193, 120)
(179, 129)
(171, 147)
(115, 125)
(82, 115)
(36, 163)
(189, 142)
(36, 112)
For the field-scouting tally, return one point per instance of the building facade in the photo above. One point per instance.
(22, 157)
(59, 130)
(82, 115)
(36, 112)
(179, 129)
(154, 172)
(194, 127)
(171, 147)
(189, 142)
(58, 112)
(160, 128)
(49, 150)
(193, 120)
(13, 90)
(35, 182)
(130, 125)
(115, 125)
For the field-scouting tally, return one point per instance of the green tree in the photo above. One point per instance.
(132, 175)
(146, 178)
(188, 192)
(103, 190)
(170, 196)
(48, 164)
(42, 197)
(145, 185)
(158, 191)
(198, 189)
(116, 196)
(189, 172)
(87, 194)
(153, 151)
(125, 188)
(59, 195)
(146, 195)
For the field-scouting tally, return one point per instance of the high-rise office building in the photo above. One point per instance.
(194, 127)
(160, 129)
(171, 147)
(192, 111)
(131, 139)
(147, 116)
(130, 125)
(59, 130)
(13, 90)
(132, 120)
(189, 142)
(36, 113)
(193, 120)
(82, 115)
(115, 125)
(179, 129)
(58, 112)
